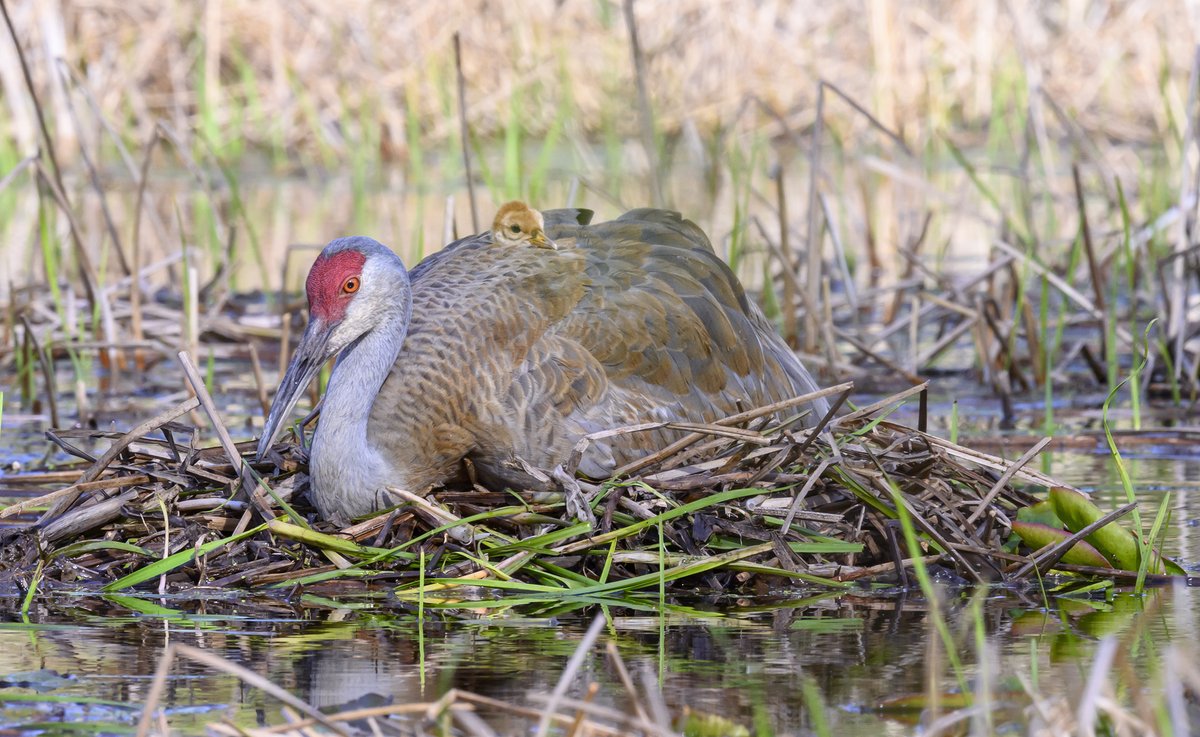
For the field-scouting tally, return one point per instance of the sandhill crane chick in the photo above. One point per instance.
(518, 224)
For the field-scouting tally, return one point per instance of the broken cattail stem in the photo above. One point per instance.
(811, 316)
(135, 286)
(464, 132)
(210, 408)
(789, 269)
(47, 371)
(645, 112)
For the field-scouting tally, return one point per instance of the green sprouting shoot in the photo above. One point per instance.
(1048, 353)
(31, 592)
(209, 127)
(662, 603)
(1135, 379)
(741, 169)
(550, 146)
(1144, 541)
(210, 373)
(512, 148)
(816, 707)
(50, 253)
(421, 617)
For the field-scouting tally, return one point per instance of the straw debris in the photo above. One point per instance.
(736, 504)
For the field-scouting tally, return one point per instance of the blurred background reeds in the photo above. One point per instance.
(998, 190)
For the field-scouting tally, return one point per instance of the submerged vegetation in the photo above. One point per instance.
(1004, 194)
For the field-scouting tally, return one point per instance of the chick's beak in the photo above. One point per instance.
(311, 354)
(541, 240)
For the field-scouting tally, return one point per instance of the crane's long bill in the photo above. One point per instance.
(310, 355)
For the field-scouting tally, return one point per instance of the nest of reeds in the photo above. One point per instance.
(732, 506)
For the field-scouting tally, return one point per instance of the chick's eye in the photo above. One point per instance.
(515, 228)
(350, 286)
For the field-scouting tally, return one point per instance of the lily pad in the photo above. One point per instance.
(1042, 512)
(1036, 535)
(1117, 544)
(703, 724)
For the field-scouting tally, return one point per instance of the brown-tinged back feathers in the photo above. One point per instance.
(517, 353)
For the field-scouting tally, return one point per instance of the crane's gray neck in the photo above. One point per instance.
(347, 470)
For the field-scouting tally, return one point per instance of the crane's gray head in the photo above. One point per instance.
(355, 285)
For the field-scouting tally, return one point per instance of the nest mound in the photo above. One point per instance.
(735, 505)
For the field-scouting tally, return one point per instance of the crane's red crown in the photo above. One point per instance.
(326, 299)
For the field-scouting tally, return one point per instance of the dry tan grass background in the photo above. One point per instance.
(1025, 88)
(917, 65)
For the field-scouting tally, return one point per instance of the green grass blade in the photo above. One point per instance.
(182, 558)
(95, 546)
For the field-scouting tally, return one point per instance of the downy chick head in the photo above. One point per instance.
(518, 224)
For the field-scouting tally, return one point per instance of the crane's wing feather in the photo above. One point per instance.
(567, 216)
(662, 331)
(527, 350)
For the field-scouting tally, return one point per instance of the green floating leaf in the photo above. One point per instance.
(1075, 607)
(1042, 512)
(1080, 588)
(1035, 622)
(1036, 536)
(1115, 543)
(921, 701)
(703, 724)
(826, 625)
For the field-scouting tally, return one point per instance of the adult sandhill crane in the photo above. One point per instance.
(496, 352)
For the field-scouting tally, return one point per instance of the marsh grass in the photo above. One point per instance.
(524, 547)
(1145, 538)
(1021, 331)
(860, 260)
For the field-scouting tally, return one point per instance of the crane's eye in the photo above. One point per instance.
(515, 228)
(351, 285)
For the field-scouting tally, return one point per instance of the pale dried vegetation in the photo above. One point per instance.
(317, 70)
